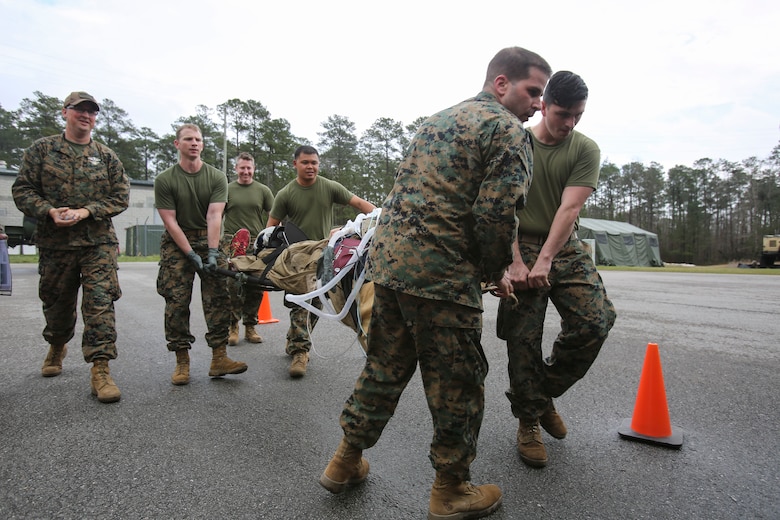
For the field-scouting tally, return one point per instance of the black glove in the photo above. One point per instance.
(211, 261)
(196, 260)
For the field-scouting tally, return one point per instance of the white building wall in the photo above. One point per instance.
(140, 211)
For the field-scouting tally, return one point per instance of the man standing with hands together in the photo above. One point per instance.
(73, 186)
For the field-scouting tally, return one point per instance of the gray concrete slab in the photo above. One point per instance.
(254, 445)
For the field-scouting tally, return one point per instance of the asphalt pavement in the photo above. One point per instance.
(254, 445)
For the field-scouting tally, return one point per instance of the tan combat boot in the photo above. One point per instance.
(52, 365)
(530, 445)
(553, 423)
(251, 335)
(233, 334)
(102, 385)
(181, 374)
(222, 365)
(346, 468)
(454, 499)
(298, 364)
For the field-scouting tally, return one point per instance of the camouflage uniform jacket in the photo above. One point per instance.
(449, 221)
(53, 176)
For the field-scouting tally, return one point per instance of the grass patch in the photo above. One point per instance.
(699, 269)
(703, 269)
(150, 258)
(23, 259)
(33, 259)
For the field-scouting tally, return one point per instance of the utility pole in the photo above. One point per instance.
(224, 143)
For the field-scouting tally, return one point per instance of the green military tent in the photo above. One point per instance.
(621, 243)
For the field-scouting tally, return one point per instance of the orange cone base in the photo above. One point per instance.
(675, 440)
(264, 315)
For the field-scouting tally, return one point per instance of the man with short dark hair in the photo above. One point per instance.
(550, 263)
(73, 186)
(307, 201)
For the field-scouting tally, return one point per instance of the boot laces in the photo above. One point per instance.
(529, 432)
(470, 489)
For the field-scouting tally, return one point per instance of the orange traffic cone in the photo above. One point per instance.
(650, 422)
(264, 314)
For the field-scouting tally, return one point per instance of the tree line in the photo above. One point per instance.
(711, 212)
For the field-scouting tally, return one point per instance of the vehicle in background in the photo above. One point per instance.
(23, 235)
(770, 250)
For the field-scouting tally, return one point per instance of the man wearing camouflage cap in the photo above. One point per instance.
(73, 186)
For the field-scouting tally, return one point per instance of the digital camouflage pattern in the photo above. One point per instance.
(53, 175)
(301, 323)
(245, 299)
(445, 338)
(449, 221)
(587, 315)
(174, 283)
(447, 224)
(61, 274)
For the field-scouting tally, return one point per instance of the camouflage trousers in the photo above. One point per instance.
(175, 280)
(587, 315)
(245, 299)
(302, 323)
(94, 270)
(245, 302)
(444, 338)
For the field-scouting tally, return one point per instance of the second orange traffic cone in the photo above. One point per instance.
(264, 314)
(650, 422)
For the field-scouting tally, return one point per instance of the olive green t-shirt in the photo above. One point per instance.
(247, 207)
(574, 162)
(190, 194)
(310, 207)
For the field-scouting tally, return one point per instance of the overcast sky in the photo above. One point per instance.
(670, 81)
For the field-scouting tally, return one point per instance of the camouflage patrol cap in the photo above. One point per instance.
(74, 98)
